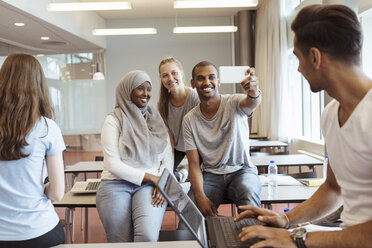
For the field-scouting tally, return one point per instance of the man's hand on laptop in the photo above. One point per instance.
(269, 217)
(272, 237)
(206, 206)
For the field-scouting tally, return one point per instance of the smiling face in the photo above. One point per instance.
(206, 82)
(141, 95)
(171, 76)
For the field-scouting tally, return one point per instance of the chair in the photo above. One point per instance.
(99, 158)
(233, 208)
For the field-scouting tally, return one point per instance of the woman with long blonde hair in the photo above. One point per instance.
(29, 140)
(175, 101)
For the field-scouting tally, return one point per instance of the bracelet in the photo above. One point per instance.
(287, 226)
(255, 97)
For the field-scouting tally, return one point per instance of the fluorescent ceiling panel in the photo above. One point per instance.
(87, 6)
(214, 4)
(124, 31)
(205, 29)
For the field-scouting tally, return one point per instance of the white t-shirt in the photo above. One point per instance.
(223, 140)
(25, 211)
(114, 168)
(350, 155)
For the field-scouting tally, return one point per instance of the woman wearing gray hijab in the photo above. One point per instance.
(136, 149)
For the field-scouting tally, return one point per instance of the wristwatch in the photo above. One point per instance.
(299, 236)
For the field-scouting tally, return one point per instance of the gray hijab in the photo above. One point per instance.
(144, 134)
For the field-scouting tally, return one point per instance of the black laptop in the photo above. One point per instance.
(210, 232)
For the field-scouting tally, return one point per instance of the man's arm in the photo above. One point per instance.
(325, 200)
(205, 205)
(356, 236)
(250, 86)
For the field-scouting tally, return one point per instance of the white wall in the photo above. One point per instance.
(144, 52)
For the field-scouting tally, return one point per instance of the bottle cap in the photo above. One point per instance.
(272, 161)
(326, 156)
(286, 210)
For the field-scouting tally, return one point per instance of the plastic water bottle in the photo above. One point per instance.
(325, 164)
(273, 174)
(273, 179)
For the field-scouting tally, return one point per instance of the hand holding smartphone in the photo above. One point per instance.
(232, 74)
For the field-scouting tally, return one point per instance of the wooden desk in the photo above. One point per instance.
(70, 202)
(84, 167)
(256, 136)
(284, 194)
(286, 160)
(168, 244)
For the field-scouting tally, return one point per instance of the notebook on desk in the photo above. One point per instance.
(213, 231)
(86, 187)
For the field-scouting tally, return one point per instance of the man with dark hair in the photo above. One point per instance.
(216, 135)
(327, 42)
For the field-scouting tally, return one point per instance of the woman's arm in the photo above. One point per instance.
(110, 144)
(55, 188)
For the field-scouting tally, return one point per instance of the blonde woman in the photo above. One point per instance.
(175, 101)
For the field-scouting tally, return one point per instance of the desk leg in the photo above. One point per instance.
(73, 226)
(86, 225)
(268, 206)
(73, 176)
(67, 224)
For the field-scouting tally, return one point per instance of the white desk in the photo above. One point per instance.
(286, 160)
(258, 144)
(286, 194)
(168, 244)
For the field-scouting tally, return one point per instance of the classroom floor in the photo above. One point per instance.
(96, 232)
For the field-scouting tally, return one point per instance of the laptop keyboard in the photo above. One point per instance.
(92, 186)
(232, 229)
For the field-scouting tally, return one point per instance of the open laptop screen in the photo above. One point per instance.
(182, 204)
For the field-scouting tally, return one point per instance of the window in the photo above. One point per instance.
(366, 20)
(78, 100)
(305, 106)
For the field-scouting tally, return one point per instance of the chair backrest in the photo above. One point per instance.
(99, 158)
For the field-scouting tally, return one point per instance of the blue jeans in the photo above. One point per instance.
(126, 212)
(243, 187)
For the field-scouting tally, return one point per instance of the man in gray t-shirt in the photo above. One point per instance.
(216, 136)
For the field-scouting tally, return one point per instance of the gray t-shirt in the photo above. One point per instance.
(223, 140)
(175, 118)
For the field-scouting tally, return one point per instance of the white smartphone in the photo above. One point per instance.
(232, 74)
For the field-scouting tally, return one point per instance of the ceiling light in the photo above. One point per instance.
(124, 31)
(85, 6)
(98, 75)
(19, 24)
(45, 38)
(214, 4)
(205, 29)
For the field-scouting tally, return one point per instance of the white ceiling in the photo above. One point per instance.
(163, 9)
(61, 41)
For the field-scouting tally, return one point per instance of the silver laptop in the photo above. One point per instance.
(213, 231)
(86, 187)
